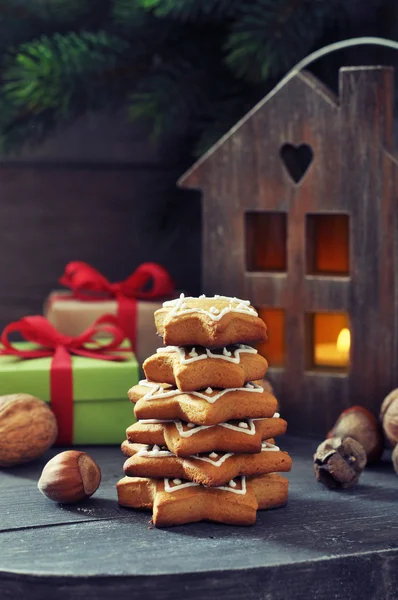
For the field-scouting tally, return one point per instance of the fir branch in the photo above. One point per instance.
(24, 20)
(179, 93)
(145, 31)
(192, 10)
(67, 75)
(230, 101)
(128, 13)
(271, 35)
(169, 97)
(131, 51)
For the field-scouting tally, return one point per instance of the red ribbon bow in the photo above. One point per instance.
(51, 342)
(148, 282)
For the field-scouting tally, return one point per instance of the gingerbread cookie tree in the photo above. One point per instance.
(203, 447)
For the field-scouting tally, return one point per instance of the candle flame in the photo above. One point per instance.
(344, 341)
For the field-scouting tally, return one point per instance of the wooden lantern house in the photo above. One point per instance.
(300, 216)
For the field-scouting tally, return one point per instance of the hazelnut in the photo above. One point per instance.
(395, 458)
(389, 417)
(338, 463)
(70, 477)
(28, 427)
(358, 423)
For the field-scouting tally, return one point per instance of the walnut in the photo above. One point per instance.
(389, 417)
(27, 429)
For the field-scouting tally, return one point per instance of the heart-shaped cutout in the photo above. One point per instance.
(297, 160)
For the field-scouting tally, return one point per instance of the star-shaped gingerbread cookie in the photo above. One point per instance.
(205, 407)
(176, 502)
(196, 368)
(184, 439)
(210, 322)
(211, 469)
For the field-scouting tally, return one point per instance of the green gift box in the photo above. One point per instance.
(101, 409)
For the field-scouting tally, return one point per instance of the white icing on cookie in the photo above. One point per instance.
(194, 356)
(249, 430)
(154, 452)
(157, 391)
(216, 462)
(229, 488)
(180, 486)
(241, 491)
(267, 447)
(207, 353)
(193, 429)
(215, 459)
(236, 305)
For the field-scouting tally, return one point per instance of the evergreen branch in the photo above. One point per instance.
(24, 20)
(128, 13)
(192, 10)
(169, 97)
(54, 80)
(271, 34)
(230, 101)
(130, 51)
(147, 32)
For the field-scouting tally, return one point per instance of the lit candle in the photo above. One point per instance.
(334, 355)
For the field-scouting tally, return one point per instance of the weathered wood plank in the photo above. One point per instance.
(366, 129)
(111, 218)
(98, 550)
(108, 139)
(354, 173)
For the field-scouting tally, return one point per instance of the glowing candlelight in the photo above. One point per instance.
(334, 355)
(344, 341)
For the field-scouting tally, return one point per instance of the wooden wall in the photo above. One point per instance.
(98, 193)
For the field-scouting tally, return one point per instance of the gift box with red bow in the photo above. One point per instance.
(132, 301)
(84, 378)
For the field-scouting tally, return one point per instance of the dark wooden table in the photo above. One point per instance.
(324, 544)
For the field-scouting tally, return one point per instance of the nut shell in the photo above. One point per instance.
(338, 463)
(69, 477)
(389, 417)
(27, 429)
(395, 459)
(358, 423)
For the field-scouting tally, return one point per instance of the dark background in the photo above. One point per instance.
(97, 193)
(101, 192)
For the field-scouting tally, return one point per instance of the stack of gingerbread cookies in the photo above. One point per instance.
(202, 447)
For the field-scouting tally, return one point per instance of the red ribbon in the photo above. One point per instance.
(53, 343)
(148, 282)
